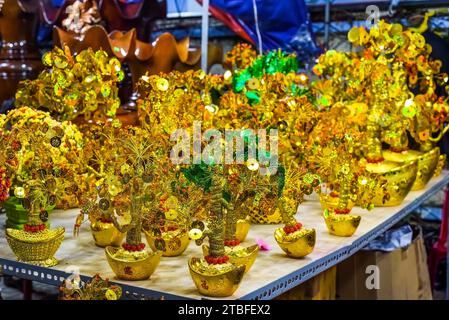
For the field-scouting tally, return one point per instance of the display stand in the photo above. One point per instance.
(272, 274)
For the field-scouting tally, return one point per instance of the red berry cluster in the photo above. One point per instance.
(342, 211)
(291, 229)
(216, 260)
(105, 220)
(333, 194)
(231, 243)
(5, 184)
(169, 228)
(375, 160)
(30, 228)
(16, 145)
(133, 247)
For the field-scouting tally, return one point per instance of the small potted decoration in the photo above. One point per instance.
(84, 85)
(295, 240)
(334, 148)
(94, 289)
(35, 177)
(174, 213)
(97, 154)
(70, 150)
(127, 185)
(267, 92)
(241, 183)
(213, 275)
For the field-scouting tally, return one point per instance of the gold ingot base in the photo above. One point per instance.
(394, 181)
(427, 164)
(176, 242)
(342, 225)
(238, 255)
(132, 265)
(297, 244)
(331, 203)
(106, 234)
(242, 229)
(36, 248)
(440, 165)
(215, 280)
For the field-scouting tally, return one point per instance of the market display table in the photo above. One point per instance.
(272, 274)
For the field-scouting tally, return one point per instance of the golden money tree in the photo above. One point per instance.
(126, 179)
(29, 133)
(70, 86)
(175, 100)
(334, 153)
(376, 80)
(37, 172)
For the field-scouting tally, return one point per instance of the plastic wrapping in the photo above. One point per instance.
(392, 239)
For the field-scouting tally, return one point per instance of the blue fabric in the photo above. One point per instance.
(283, 24)
(392, 239)
(57, 3)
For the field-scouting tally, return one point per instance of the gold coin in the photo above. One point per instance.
(253, 84)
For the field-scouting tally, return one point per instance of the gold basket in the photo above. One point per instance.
(133, 268)
(106, 234)
(265, 213)
(440, 166)
(35, 248)
(394, 180)
(342, 225)
(298, 244)
(427, 164)
(215, 280)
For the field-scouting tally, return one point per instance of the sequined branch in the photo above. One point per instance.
(218, 211)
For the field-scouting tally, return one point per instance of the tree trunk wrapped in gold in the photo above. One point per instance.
(240, 181)
(214, 275)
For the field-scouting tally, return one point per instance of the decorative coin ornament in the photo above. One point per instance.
(110, 294)
(195, 234)
(43, 215)
(55, 142)
(252, 164)
(104, 204)
(159, 244)
(147, 177)
(19, 192)
(198, 225)
(171, 214)
(253, 84)
(10, 154)
(162, 84)
(52, 200)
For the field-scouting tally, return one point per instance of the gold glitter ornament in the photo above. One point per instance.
(195, 234)
(72, 86)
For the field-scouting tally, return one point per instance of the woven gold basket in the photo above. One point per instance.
(35, 248)
(265, 213)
